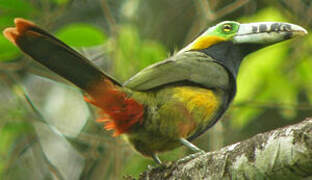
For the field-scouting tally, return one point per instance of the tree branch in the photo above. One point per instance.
(284, 153)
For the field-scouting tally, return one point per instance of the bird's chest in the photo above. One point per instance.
(172, 113)
(196, 100)
(181, 111)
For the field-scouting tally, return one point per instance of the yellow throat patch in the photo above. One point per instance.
(205, 42)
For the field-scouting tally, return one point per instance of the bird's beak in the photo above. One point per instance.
(267, 33)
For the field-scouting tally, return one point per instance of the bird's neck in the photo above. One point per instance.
(229, 55)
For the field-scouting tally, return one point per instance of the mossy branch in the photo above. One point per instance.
(284, 153)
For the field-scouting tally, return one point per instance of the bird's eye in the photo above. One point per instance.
(227, 27)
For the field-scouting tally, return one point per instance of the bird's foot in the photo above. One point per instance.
(156, 159)
(191, 157)
(190, 145)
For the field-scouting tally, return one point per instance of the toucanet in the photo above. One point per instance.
(169, 103)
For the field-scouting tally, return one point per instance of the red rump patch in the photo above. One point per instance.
(117, 110)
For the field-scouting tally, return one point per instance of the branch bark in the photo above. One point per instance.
(284, 153)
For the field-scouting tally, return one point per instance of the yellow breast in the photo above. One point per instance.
(198, 100)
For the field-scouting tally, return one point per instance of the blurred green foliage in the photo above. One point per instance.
(8, 51)
(81, 35)
(274, 84)
(10, 10)
(133, 54)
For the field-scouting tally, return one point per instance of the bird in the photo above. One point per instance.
(167, 104)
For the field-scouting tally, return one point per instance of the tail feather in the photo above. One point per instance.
(54, 54)
(123, 112)
(118, 111)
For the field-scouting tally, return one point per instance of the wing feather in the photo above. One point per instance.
(191, 66)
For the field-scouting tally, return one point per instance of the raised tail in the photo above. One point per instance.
(54, 54)
(119, 111)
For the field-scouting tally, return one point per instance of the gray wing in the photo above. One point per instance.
(194, 67)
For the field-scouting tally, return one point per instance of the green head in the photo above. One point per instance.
(223, 31)
(229, 42)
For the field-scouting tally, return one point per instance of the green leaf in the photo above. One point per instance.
(81, 35)
(60, 2)
(24, 7)
(6, 21)
(151, 52)
(7, 50)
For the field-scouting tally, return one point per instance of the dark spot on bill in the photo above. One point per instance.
(275, 27)
(288, 35)
(254, 29)
(262, 28)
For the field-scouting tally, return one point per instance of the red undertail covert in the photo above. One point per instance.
(118, 111)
